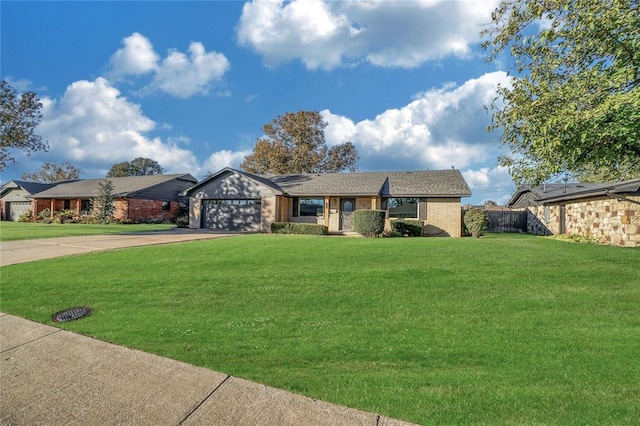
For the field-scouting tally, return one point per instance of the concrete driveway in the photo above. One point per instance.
(12, 252)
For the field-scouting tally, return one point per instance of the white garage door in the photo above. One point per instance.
(232, 215)
(16, 208)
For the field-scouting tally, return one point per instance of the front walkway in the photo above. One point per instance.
(49, 376)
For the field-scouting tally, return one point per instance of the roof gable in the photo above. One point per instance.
(29, 187)
(227, 171)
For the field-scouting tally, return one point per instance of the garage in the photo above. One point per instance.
(16, 208)
(231, 215)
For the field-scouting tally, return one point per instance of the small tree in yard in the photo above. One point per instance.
(104, 203)
(476, 221)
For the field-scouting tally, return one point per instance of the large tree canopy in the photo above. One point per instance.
(573, 106)
(294, 143)
(53, 172)
(138, 167)
(19, 117)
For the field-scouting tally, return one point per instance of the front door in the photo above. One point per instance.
(346, 214)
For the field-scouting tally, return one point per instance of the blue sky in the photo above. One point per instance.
(191, 84)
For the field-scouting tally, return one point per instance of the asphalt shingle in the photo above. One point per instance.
(123, 186)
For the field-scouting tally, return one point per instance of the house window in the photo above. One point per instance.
(85, 206)
(401, 208)
(166, 205)
(67, 204)
(311, 207)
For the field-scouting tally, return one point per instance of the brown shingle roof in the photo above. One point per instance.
(448, 183)
(421, 183)
(123, 186)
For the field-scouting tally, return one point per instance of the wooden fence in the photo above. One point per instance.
(507, 221)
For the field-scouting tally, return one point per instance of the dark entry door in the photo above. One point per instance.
(346, 213)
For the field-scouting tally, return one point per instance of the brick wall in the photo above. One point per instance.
(135, 209)
(268, 210)
(444, 217)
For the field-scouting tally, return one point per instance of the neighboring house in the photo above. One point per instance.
(136, 197)
(609, 212)
(238, 201)
(14, 197)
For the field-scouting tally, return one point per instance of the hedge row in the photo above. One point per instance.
(406, 228)
(298, 228)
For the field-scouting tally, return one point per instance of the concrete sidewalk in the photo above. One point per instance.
(12, 252)
(49, 376)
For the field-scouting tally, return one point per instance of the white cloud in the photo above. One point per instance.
(438, 129)
(184, 76)
(20, 85)
(221, 159)
(305, 29)
(490, 184)
(93, 127)
(178, 74)
(135, 58)
(326, 34)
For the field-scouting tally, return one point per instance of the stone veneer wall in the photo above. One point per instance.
(543, 220)
(610, 220)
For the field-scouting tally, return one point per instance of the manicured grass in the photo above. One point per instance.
(11, 231)
(497, 330)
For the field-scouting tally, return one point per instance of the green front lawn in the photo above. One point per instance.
(498, 330)
(12, 231)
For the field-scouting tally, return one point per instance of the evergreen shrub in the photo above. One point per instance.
(476, 221)
(298, 228)
(369, 223)
(406, 227)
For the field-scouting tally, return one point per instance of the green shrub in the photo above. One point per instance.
(369, 223)
(406, 228)
(26, 216)
(66, 216)
(88, 219)
(476, 221)
(298, 228)
(465, 231)
(576, 238)
(182, 221)
(45, 214)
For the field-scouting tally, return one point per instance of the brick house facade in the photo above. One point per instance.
(136, 198)
(236, 200)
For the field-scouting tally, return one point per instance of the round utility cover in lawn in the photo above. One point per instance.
(71, 314)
